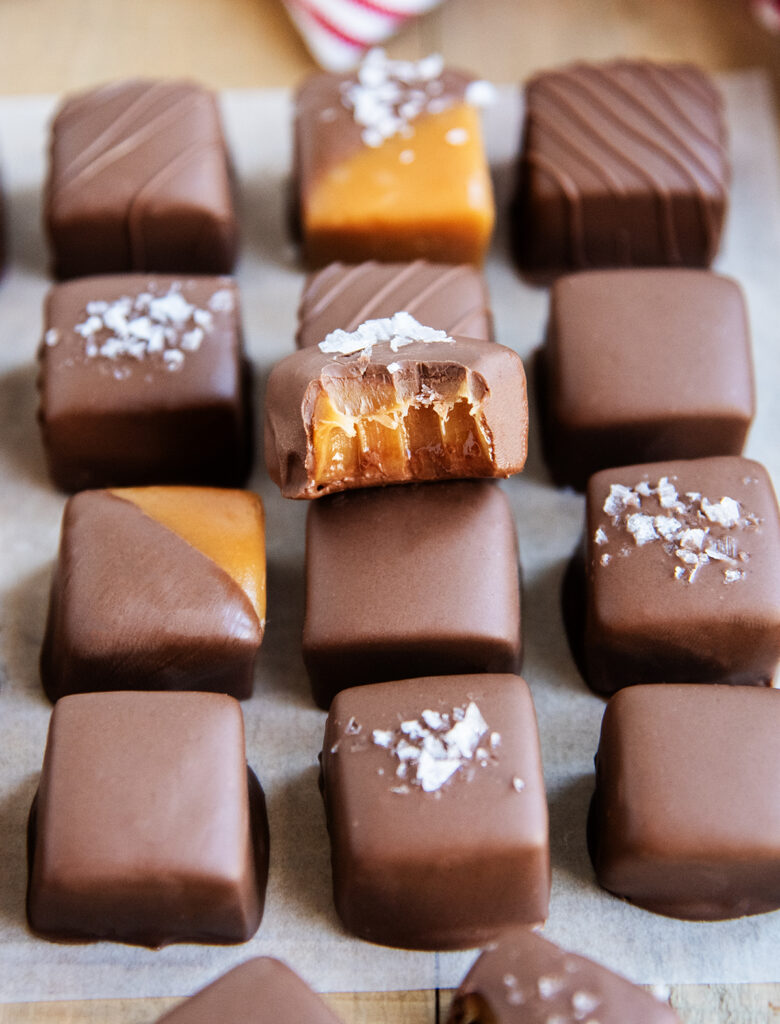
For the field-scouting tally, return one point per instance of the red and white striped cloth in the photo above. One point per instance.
(338, 32)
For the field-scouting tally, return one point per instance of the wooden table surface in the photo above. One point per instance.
(51, 46)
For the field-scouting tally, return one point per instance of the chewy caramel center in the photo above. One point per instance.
(412, 424)
(225, 526)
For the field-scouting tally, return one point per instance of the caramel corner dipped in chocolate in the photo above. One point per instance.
(623, 164)
(682, 574)
(392, 402)
(642, 365)
(390, 164)
(410, 581)
(524, 979)
(436, 810)
(143, 380)
(147, 827)
(344, 296)
(157, 588)
(139, 180)
(685, 820)
(260, 991)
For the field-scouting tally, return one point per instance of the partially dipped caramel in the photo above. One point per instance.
(157, 588)
(394, 402)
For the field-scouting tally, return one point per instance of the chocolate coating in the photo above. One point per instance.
(451, 298)
(134, 606)
(449, 867)
(666, 610)
(119, 419)
(142, 830)
(524, 979)
(685, 820)
(260, 991)
(493, 374)
(623, 164)
(138, 180)
(410, 581)
(644, 365)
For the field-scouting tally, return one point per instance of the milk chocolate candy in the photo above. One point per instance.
(524, 979)
(410, 581)
(156, 588)
(139, 180)
(644, 365)
(143, 381)
(394, 401)
(623, 164)
(436, 810)
(454, 298)
(260, 991)
(390, 164)
(683, 574)
(146, 828)
(685, 820)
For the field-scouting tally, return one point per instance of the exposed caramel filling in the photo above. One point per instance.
(472, 1009)
(227, 527)
(433, 185)
(381, 426)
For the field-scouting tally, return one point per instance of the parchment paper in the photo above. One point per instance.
(284, 730)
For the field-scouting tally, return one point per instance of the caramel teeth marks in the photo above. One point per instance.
(681, 575)
(453, 298)
(685, 820)
(623, 164)
(451, 851)
(139, 181)
(388, 406)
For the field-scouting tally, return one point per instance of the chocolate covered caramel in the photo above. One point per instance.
(147, 828)
(138, 180)
(391, 402)
(623, 164)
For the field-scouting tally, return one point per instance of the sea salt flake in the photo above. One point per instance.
(606, 558)
(725, 512)
(515, 997)
(667, 493)
(433, 719)
(382, 737)
(517, 784)
(733, 575)
(584, 1003)
(600, 536)
(620, 498)
(667, 526)
(399, 330)
(407, 156)
(353, 727)
(456, 137)
(51, 337)
(480, 93)
(173, 358)
(640, 526)
(414, 730)
(191, 340)
(433, 772)
(549, 985)
(221, 301)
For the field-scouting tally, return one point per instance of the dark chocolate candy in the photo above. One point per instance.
(170, 596)
(142, 381)
(643, 365)
(686, 820)
(410, 581)
(260, 991)
(452, 298)
(524, 979)
(391, 177)
(436, 810)
(682, 574)
(623, 164)
(373, 412)
(139, 180)
(145, 828)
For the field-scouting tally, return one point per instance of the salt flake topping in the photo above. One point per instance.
(684, 529)
(399, 330)
(146, 324)
(389, 94)
(432, 749)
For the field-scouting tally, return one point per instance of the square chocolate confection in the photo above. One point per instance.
(410, 581)
(682, 574)
(436, 810)
(342, 296)
(524, 979)
(623, 164)
(143, 381)
(139, 180)
(643, 365)
(260, 991)
(157, 588)
(147, 827)
(389, 164)
(393, 402)
(686, 820)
